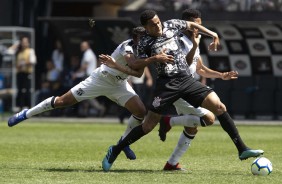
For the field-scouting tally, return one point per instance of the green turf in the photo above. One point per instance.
(72, 153)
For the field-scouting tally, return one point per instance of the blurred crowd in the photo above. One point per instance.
(216, 5)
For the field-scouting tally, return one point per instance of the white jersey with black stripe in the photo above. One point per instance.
(186, 47)
(124, 48)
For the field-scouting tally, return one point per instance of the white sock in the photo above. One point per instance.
(181, 147)
(41, 107)
(185, 120)
(133, 121)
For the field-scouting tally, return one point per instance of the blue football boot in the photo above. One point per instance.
(17, 118)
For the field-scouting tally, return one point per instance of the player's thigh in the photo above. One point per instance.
(124, 95)
(90, 88)
(136, 106)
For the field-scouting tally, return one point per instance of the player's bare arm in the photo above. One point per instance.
(110, 62)
(215, 44)
(196, 41)
(204, 71)
(141, 63)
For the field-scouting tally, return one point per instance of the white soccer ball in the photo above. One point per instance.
(261, 166)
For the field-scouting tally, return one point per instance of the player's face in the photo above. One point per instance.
(154, 27)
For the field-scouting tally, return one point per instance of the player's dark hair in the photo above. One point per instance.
(146, 15)
(137, 31)
(191, 14)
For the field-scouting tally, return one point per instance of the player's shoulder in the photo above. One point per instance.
(174, 22)
(145, 40)
(128, 42)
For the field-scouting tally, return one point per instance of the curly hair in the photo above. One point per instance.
(147, 15)
(137, 31)
(191, 14)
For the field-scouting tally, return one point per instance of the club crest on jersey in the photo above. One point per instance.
(80, 92)
(168, 33)
(157, 102)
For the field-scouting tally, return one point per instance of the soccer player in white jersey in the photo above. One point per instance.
(191, 115)
(103, 81)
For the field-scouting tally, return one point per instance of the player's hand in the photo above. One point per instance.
(196, 39)
(162, 57)
(229, 75)
(107, 60)
(215, 45)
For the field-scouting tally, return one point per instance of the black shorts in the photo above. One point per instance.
(168, 90)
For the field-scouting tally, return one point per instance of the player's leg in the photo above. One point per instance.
(135, 134)
(138, 111)
(189, 133)
(86, 89)
(182, 146)
(164, 96)
(213, 103)
(191, 117)
(125, 96)
(48, 104)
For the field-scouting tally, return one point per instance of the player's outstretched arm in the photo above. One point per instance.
(110, 62)
(209, 73)
(215, 44)
(143, 62)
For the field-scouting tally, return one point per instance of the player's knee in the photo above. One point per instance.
(61, 101)
(209, 119)
(220, 108)
(140, 111)
(191, 130)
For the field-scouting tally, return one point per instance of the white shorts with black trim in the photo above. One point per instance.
(103, 84)
(184, 108)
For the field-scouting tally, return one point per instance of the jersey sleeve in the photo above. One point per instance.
(176, 24)
(126, 49)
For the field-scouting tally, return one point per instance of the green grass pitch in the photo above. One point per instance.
(42, 152)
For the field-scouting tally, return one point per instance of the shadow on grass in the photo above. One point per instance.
(113, 171)
(69, 170)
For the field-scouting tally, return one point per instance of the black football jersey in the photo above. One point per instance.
(169, 43)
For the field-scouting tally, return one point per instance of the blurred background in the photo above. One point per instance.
(250, 32)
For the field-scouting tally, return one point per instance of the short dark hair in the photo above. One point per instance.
(138, 31)
(147, 15)
(191, 14)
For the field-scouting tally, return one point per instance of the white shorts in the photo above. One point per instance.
(182, 107)
(103, 84)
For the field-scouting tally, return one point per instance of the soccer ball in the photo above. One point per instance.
(261, 166)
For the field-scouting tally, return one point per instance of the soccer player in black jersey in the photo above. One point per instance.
(174, 81)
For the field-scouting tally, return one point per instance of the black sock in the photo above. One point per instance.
(135, 134)
(228, 125)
